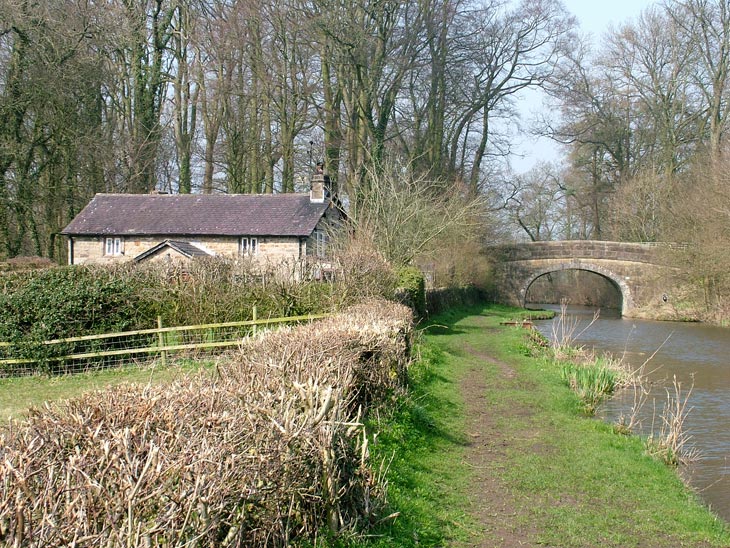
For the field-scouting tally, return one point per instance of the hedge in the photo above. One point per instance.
(269, 451)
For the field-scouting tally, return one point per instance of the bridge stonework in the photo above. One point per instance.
(637, 270)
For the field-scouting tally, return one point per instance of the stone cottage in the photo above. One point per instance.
(148, 227)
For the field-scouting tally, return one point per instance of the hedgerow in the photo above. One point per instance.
(68, 302)
(81, 300)
(269, 451)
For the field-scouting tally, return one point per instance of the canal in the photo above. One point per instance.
(699, 356)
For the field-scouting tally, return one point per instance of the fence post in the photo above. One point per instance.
(254, 319)
(161, 340)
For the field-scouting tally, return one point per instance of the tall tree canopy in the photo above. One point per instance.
(639, 110)
(234, 96)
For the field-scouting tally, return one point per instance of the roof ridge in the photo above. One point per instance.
(198, 195)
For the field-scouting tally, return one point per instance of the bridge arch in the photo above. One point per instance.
(627, 301)
(642, 272)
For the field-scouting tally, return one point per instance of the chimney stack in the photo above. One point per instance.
(317, 191)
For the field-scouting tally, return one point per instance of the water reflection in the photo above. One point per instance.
(699, 356)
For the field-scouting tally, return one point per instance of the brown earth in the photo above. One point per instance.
(492, 504)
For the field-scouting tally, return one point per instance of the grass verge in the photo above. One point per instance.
(570, 480)
(18, 394)
(422, 444)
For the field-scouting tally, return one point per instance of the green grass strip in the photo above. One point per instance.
(20, 393)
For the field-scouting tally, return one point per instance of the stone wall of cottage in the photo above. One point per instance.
(278, 249)
(90, 250)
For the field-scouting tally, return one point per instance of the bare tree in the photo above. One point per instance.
(186, 91)
(371, 47)
(639, 210)
(137, 92)
(50, 122)
(652, 62)
(537, 202)
(407, 216)
(291, 63)
(705, 27)
(700, 218)
(420, 124)
(509, 50)
(214, 46)
(636, 112)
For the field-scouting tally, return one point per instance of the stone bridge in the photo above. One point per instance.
(637, 270)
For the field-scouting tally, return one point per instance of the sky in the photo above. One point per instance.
(594, 17)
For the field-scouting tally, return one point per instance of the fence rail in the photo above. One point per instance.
(88, 352)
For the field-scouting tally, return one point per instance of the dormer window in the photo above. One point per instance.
(249, 246)
(113, 247)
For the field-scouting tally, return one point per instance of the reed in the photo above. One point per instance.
(592, 382)
(566, 330)
(671, 444)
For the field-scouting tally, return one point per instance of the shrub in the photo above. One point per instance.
(362, 272)
(462, 262)
(80, 300)
(66, 302)
(442, 299)
(413, 286)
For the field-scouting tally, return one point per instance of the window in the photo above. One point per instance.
(113, 247)
(320, 243)
(249, 246)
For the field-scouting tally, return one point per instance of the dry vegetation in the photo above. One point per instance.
(20, 264)
(268, 450)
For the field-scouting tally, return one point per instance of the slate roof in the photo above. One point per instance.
(198, 215)
(184, 248)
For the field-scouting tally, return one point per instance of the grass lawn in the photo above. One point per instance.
(18, 394)
(545, 475)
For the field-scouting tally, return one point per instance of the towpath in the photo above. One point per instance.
(535, 481)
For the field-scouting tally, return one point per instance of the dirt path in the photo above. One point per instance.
(493, 505)
(500, 424)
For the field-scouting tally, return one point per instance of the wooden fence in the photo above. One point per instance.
(76, 354)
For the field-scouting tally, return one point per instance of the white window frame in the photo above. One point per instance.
(248, 246)
(113, 246)
(320, 243)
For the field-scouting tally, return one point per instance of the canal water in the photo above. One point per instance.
(699, 356)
